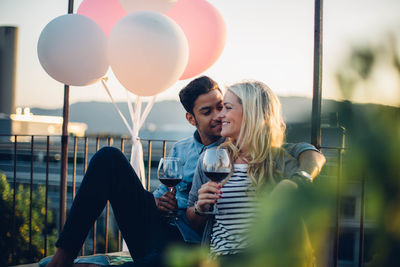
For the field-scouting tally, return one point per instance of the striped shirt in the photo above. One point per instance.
(237, 209)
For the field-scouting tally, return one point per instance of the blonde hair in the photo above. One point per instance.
(262, 131)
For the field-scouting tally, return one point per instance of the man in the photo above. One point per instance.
(202, 99)
(138, 213)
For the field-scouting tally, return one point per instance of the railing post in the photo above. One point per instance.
(338, 202)
(362, 209)
(64, 146)
(317, 80)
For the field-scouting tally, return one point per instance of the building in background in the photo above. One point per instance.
(26, 123)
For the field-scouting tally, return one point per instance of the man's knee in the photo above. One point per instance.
(109, 153)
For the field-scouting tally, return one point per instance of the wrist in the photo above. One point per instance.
(197, 211)
(301, 178)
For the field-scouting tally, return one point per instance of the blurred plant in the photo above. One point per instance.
(374, 151)
(292, 227)
(196, 256)
(358, 70)
(19, 235)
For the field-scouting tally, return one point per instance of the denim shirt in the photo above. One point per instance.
(189, 150)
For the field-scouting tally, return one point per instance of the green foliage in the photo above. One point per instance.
(375, 152)
(17, 235)
(178, 256)
(291, 229)
(375, 155)
(362, 60)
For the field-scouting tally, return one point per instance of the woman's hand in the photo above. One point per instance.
(167, 202)
(208, 194)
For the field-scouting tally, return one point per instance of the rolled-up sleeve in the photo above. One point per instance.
(295, 149)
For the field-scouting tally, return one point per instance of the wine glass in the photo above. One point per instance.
(217, 166)
(170, 174)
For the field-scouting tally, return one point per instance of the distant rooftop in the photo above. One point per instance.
(25, 122)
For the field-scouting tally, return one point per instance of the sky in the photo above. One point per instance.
(270, 41)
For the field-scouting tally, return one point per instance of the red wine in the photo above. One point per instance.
(216, 176)
(170, 182)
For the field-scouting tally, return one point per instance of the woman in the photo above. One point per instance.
(253, 124)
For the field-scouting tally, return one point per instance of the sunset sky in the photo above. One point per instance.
(271, 41)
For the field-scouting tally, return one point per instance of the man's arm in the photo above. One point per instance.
(311, 162)
(309, 158)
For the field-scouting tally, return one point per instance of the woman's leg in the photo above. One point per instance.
(111, 177)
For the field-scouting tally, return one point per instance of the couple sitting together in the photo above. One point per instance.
(248, 122)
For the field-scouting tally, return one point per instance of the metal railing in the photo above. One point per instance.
(34, 161)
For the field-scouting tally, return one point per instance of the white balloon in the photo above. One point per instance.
(161, 6)
(72, 49)
(148, 52)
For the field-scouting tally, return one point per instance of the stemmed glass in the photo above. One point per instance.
(170, 174)
(216, 166)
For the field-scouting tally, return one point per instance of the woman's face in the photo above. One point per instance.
(231, 116)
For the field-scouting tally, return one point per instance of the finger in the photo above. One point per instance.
(167, 205)
(211, 197)
(169, 201)
(169, 195)
(204, 205)
(163, 209)
(214, 184)
(209, 189)
(160, 205)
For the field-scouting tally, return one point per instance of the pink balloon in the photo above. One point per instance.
(104, 12)
(205, 31)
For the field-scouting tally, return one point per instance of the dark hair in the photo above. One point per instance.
(194, 89)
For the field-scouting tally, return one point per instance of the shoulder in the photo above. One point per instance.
(295, 149)
(287, 163)
(184, 142)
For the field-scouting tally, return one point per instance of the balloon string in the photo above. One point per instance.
(116, 107)
(138, 110)
(147, 110)
(129, 102)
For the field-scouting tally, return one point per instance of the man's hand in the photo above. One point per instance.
(167, 202)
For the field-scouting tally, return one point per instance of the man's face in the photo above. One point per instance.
(206, 109)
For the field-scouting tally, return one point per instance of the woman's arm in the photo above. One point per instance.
(208, 194)
(201, 195)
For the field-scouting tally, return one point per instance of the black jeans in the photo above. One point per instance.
(111, 177)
